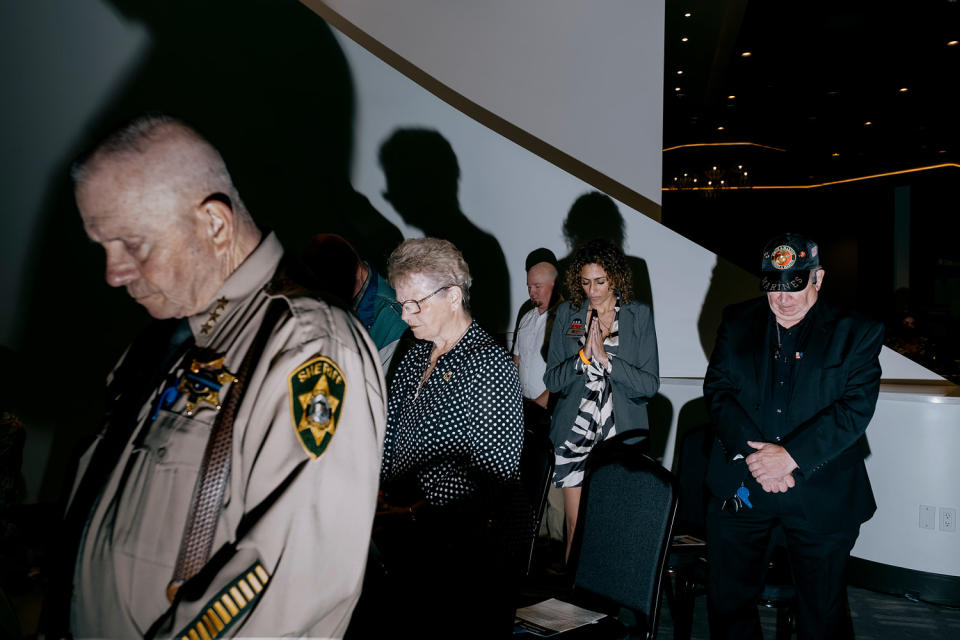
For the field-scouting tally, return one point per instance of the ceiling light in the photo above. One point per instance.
(687, 14)
(676, 88)
(714, 168)
(679, 72)
(942, 151)
(835, 155)
(740, 166)
(744, 174)
(720, 128)
(953, 43)
(731, 97)
(904, 89)
(867, 123)
(684, 39)
(746, 54)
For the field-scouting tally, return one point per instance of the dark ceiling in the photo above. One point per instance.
(830, 90)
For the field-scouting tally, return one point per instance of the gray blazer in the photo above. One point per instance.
(635, 374)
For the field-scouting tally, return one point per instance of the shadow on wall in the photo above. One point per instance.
(267, 83)
(729, 284)
(693, 418)
(691, 456)
(660, 414)
(422, 176)
(595, 215)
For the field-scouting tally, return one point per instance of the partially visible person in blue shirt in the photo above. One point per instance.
(338, 269)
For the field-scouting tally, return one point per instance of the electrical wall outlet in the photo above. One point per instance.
(928, 517)
(948, 519)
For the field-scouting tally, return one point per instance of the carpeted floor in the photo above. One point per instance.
(876, 616)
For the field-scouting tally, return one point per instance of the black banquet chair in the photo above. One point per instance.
(620, 547)
(536, 476)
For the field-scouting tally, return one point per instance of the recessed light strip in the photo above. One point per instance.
(723, 144)
(825, 184)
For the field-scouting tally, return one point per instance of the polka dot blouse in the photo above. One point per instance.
(461, 433)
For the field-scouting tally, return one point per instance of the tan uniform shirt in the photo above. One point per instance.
(299, 570)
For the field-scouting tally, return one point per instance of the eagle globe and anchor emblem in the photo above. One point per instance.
(784, 257)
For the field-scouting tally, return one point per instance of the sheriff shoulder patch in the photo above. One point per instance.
(317, 389)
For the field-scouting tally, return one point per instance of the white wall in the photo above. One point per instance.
(913, 441)
(522, 200)
(79, 52)
(59, 62)
(585, 77)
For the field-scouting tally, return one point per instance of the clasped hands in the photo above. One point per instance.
(385, 509)
(593, 347)
(771, 466)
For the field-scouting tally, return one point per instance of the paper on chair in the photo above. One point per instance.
(554, 616)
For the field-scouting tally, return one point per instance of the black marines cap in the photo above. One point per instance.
(787, 262)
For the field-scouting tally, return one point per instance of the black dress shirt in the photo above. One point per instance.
(786, 347)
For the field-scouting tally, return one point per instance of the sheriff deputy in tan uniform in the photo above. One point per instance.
(275, 540)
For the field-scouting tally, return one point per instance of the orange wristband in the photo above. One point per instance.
(583, 358)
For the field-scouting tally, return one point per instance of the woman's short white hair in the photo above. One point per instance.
(437, 260)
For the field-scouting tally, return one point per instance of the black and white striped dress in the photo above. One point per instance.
(594, 421)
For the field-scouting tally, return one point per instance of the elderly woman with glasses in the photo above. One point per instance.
(451, 453)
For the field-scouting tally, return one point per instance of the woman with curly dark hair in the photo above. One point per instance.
(602, 364)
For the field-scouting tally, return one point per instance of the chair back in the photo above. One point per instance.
(691, 472)
(624, 527)
(536, 475)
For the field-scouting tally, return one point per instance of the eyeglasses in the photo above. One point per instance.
(413, 306)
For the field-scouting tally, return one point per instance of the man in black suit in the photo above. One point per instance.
(791, 387)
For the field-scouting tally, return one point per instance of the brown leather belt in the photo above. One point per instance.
(215, 470)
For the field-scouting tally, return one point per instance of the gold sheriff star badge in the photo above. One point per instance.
(317, 389)
(204, 379)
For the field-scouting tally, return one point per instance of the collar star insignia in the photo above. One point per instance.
(204, 379)
(208, 325)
